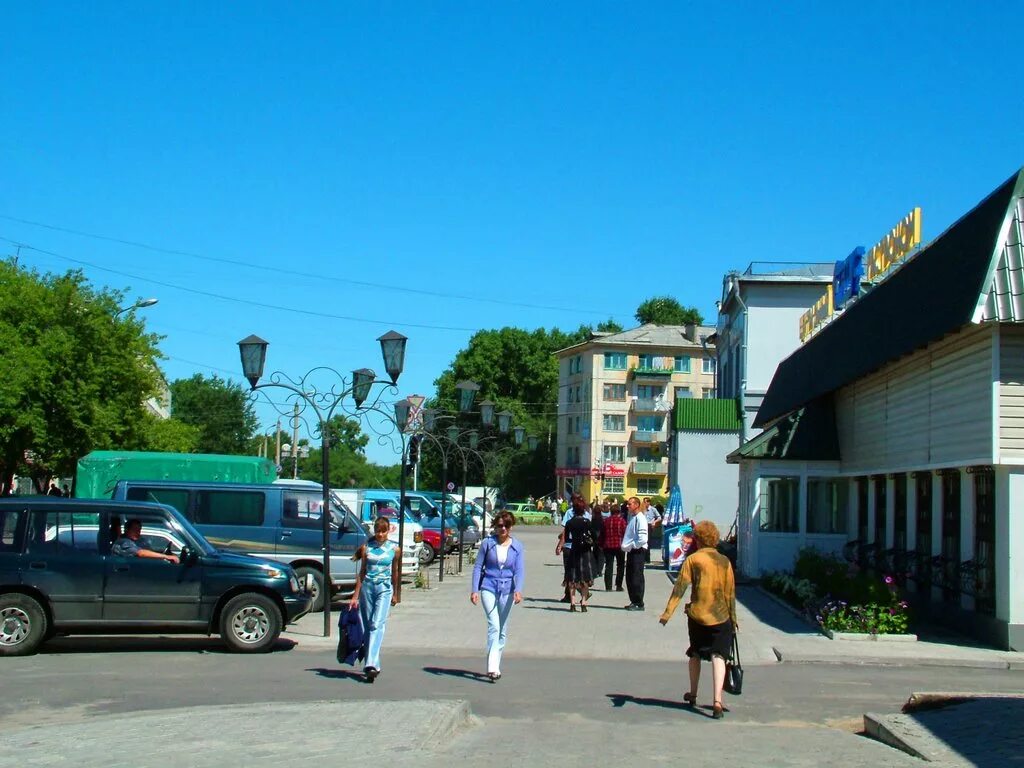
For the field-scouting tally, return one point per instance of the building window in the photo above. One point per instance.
(579, 363)
(615, 422)
(682, 364)
(649, 486)
(827, 501)
(615, 453)
(899, 512)
(881, 510)
(615, 361)
(985, 541)
(951, 533)
(683, 392)
(707, 365)
(568, 396)
(614, 391)
(568, 424)
(577, 425)
(614, 485)
(649, 423)
(923, 542)
(578, 395)
(649, 391)
(779, 507)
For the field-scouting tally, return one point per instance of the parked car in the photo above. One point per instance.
(457, 522)
(59, 576)
(524, 512)
(369, 504)
(276, 521)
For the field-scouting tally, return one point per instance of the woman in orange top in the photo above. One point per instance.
(711, 612)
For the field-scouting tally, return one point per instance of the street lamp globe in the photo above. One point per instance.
(487, 413)
(253, 351)
(453, 434)
(429, 419)
(504, 422)
(392, 347)
(362, 380)
(402, 408)
(474, 439)
(467, 391)
(518, 433)
(531, 442)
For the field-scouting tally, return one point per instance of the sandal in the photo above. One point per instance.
(717, 710)
(583, 607)
(572, 607)
(690, 700)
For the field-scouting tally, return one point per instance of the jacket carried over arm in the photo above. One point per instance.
(714, 589)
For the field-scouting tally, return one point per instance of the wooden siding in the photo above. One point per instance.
(934, 406)
(1011, 391)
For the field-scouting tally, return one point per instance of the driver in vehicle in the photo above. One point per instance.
(128, 544)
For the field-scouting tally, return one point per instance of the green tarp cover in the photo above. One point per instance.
(99, 471)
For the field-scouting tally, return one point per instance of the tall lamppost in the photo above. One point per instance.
(323, 403)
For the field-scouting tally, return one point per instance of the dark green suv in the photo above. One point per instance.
(59, 575)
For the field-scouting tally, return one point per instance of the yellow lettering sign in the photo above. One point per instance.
(900, 241)
(821, 311)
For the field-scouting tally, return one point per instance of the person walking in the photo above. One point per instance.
(611, 546)
(710, 614)
(597, 518)
(564, 546)
(376, 591)
(653, 515)
(578, 538)
(634, 544)
(498, 576)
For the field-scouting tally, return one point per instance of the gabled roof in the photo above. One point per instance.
(706, 414)
(650, 335)
(971, 273)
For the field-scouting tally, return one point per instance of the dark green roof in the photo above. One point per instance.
(706, 415)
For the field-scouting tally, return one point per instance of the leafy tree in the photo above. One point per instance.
(169, 435)
(221, 410)
(664, 310)
(609, 326)
(75, 374)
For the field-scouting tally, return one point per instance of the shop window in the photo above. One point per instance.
(899, 511)
(862, 510)
(779, 505)
(649, 486)
(985, 541)
(827, 502)
(881, 510)
(923, 540)
(951, 533)
(614, 485)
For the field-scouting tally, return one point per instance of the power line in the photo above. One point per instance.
(297, 273)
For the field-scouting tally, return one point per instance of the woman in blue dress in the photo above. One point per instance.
(376, 591)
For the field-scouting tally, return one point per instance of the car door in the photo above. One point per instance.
(13, 523)
(300, 533)
(64, 561)
(141, 590)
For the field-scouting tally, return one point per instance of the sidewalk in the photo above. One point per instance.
(442, 621)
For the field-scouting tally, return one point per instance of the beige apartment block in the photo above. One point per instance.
(615, 398)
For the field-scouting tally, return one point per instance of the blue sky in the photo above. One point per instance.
(578, 157)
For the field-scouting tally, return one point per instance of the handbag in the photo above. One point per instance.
(734, 670)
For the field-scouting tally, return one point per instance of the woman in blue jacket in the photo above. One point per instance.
(498, 576)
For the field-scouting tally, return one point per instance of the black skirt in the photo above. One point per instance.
(706, 640)
(578, 566)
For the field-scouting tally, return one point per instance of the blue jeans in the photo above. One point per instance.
(374, 606)
(497, 609)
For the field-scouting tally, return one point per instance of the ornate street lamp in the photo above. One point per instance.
(518, 433)
(402, 408)
(453, 434)
(504, 422)
(362, 380)
(474, 439)
(392, 347)
(487, 413)
(467, 392)
(532, 442)
(253, 351)
(429, 419)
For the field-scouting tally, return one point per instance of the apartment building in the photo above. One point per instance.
(615, 396)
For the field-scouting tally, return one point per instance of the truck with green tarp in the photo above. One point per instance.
(99, 471)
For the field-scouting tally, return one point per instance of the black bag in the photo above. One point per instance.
(734, 670)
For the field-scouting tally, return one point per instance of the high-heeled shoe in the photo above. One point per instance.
(717, 710)
(572, 607)
(583, 607)
(690, 700)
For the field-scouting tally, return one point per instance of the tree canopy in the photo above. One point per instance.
(665, 310)
(75, 372)
(221, 411)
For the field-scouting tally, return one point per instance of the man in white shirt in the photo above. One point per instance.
(634, 544)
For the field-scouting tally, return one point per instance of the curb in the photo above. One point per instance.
(882, 729)
(447, 724)
(881, 661)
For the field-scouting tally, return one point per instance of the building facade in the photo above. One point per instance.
(758, 326)
(895, 434)
(615, 396)
(704, 432)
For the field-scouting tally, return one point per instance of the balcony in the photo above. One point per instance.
(650, 405)
(658, 373)
(650, 468)
(649, 436)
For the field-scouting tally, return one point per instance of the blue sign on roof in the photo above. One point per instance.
(847, 276)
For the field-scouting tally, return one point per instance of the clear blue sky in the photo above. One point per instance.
(579, 156)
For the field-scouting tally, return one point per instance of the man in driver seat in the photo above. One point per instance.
(128, 544)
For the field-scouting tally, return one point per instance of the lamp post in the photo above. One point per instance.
(299, 452)
(253, 353)
(140, 304)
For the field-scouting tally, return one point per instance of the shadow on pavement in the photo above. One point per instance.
(621, 699)
(465, 674)
(768, 612)
(136, 644)
(338, 674)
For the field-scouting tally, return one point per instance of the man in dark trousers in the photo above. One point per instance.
(634, 544)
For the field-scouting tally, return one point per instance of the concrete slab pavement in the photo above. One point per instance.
(441, 620)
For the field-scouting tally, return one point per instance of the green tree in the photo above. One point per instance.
(169, 435)
(664, 310)
(220, 409)
(75, 374)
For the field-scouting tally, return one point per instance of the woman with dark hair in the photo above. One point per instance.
(710, 614)
(578, 573)
(376, 590)
(498, 576)
(597, 516)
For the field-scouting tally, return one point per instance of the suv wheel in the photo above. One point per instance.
(22, 625)
(427, 553)
(318, 585)
(250, 623)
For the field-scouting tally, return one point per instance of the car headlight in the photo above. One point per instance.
(417, 537)
(274, 573)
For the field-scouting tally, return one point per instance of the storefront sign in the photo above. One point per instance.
(847, 276)
(816, 315)
(571, 471)
(900, 241)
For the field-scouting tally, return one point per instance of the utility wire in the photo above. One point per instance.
(297, 273)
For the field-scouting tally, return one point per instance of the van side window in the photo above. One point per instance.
(12, 529)
(172, 497)
(230, 507)
(302, 510)
(64, 532)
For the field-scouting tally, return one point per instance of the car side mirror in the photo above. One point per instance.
(187, 556)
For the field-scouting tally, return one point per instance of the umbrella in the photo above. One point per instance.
(674, 511)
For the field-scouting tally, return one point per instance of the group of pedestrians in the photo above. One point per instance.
(498, 583)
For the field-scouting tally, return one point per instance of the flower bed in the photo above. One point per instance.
(839, 598)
